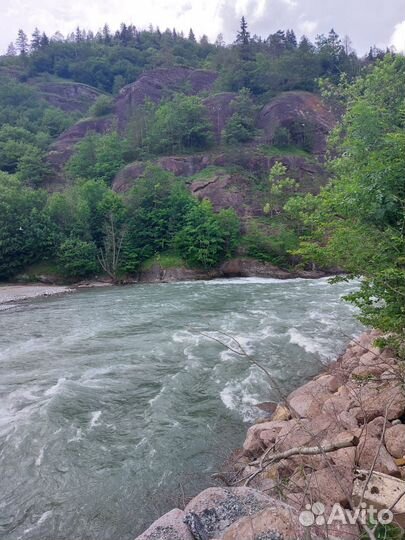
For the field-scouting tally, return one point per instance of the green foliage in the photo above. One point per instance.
(270, 246)
(282, 137)
(202, 241)
(28, 125)
(164, 260)
(77, 258)
(241, 125)
(26, 233)
(102, 106)
(178, 125)
(98, 157)
(282, 188)
(32, 168)
(358, 220)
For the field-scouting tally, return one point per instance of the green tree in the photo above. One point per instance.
(32, 168)
(178, 125)
(282, 188)
(102, 106)
(241, 125)
(26, 233)
(358, 221)
(207, 238)
(77, 259)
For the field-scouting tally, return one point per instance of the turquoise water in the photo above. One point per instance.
(113, 405)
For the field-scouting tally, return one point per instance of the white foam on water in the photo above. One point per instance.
(56, 388)
(239, 395)
(41, 520)
(310, 345)
(94, 418)
(77, 437)
(40, 457)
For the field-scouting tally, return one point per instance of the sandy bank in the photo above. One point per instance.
(14, 293)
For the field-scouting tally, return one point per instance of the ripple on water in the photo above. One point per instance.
(109, 399)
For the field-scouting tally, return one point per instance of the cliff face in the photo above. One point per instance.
(69, 96)
(339, 439)
(283, 111)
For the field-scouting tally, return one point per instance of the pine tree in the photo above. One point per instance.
(243, 36)
(11, 50)
(22, 42)
(191, 36)
(44, 40)
(106, 34)
(35, 40)
(291, 39)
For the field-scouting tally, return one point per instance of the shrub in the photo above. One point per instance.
(77, 259)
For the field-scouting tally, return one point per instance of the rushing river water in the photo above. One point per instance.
(112, 403)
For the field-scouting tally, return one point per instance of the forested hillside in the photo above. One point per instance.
(120, 149)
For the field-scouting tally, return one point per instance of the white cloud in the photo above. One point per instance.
(307, 27)
(398, 37)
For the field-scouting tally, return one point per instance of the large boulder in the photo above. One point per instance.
(259, 436)
(308, 400)
(276, 522)
(171, 526)
(372, 454)
(395, 441)
(215, 509)
(298, 107)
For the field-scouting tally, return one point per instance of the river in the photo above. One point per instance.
(114, 405)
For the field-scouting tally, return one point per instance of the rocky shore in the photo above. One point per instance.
(337, 440)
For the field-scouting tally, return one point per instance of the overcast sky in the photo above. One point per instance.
(367, 22)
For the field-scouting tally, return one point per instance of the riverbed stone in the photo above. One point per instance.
(395, 440)
(171, 526)
(371, 453)
(259, 436)
(307, 401)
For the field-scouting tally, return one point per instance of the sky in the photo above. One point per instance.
(366, 22)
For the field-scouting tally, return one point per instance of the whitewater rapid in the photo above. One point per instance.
(114, 402)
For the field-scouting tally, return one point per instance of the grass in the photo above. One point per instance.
(273, 151)
(207, 173)
(165, 261)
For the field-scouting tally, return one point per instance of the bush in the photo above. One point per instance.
(102, 106)
(281, 137)
(77, 259)
(207, 237)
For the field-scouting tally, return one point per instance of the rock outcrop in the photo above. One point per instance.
(309, 453)
(298, 107)
(158, 83)
(68, 96)
(62, 149)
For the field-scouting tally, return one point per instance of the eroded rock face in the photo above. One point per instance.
(154, 84)
(62, 149)
(68, 96)
(219, 110)
(302, 107)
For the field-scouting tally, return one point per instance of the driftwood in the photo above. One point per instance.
(347, 442)
(350, 440)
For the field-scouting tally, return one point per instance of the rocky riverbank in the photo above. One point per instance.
(337, 440)
(238, 267)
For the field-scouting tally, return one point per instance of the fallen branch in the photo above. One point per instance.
(351, 440)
